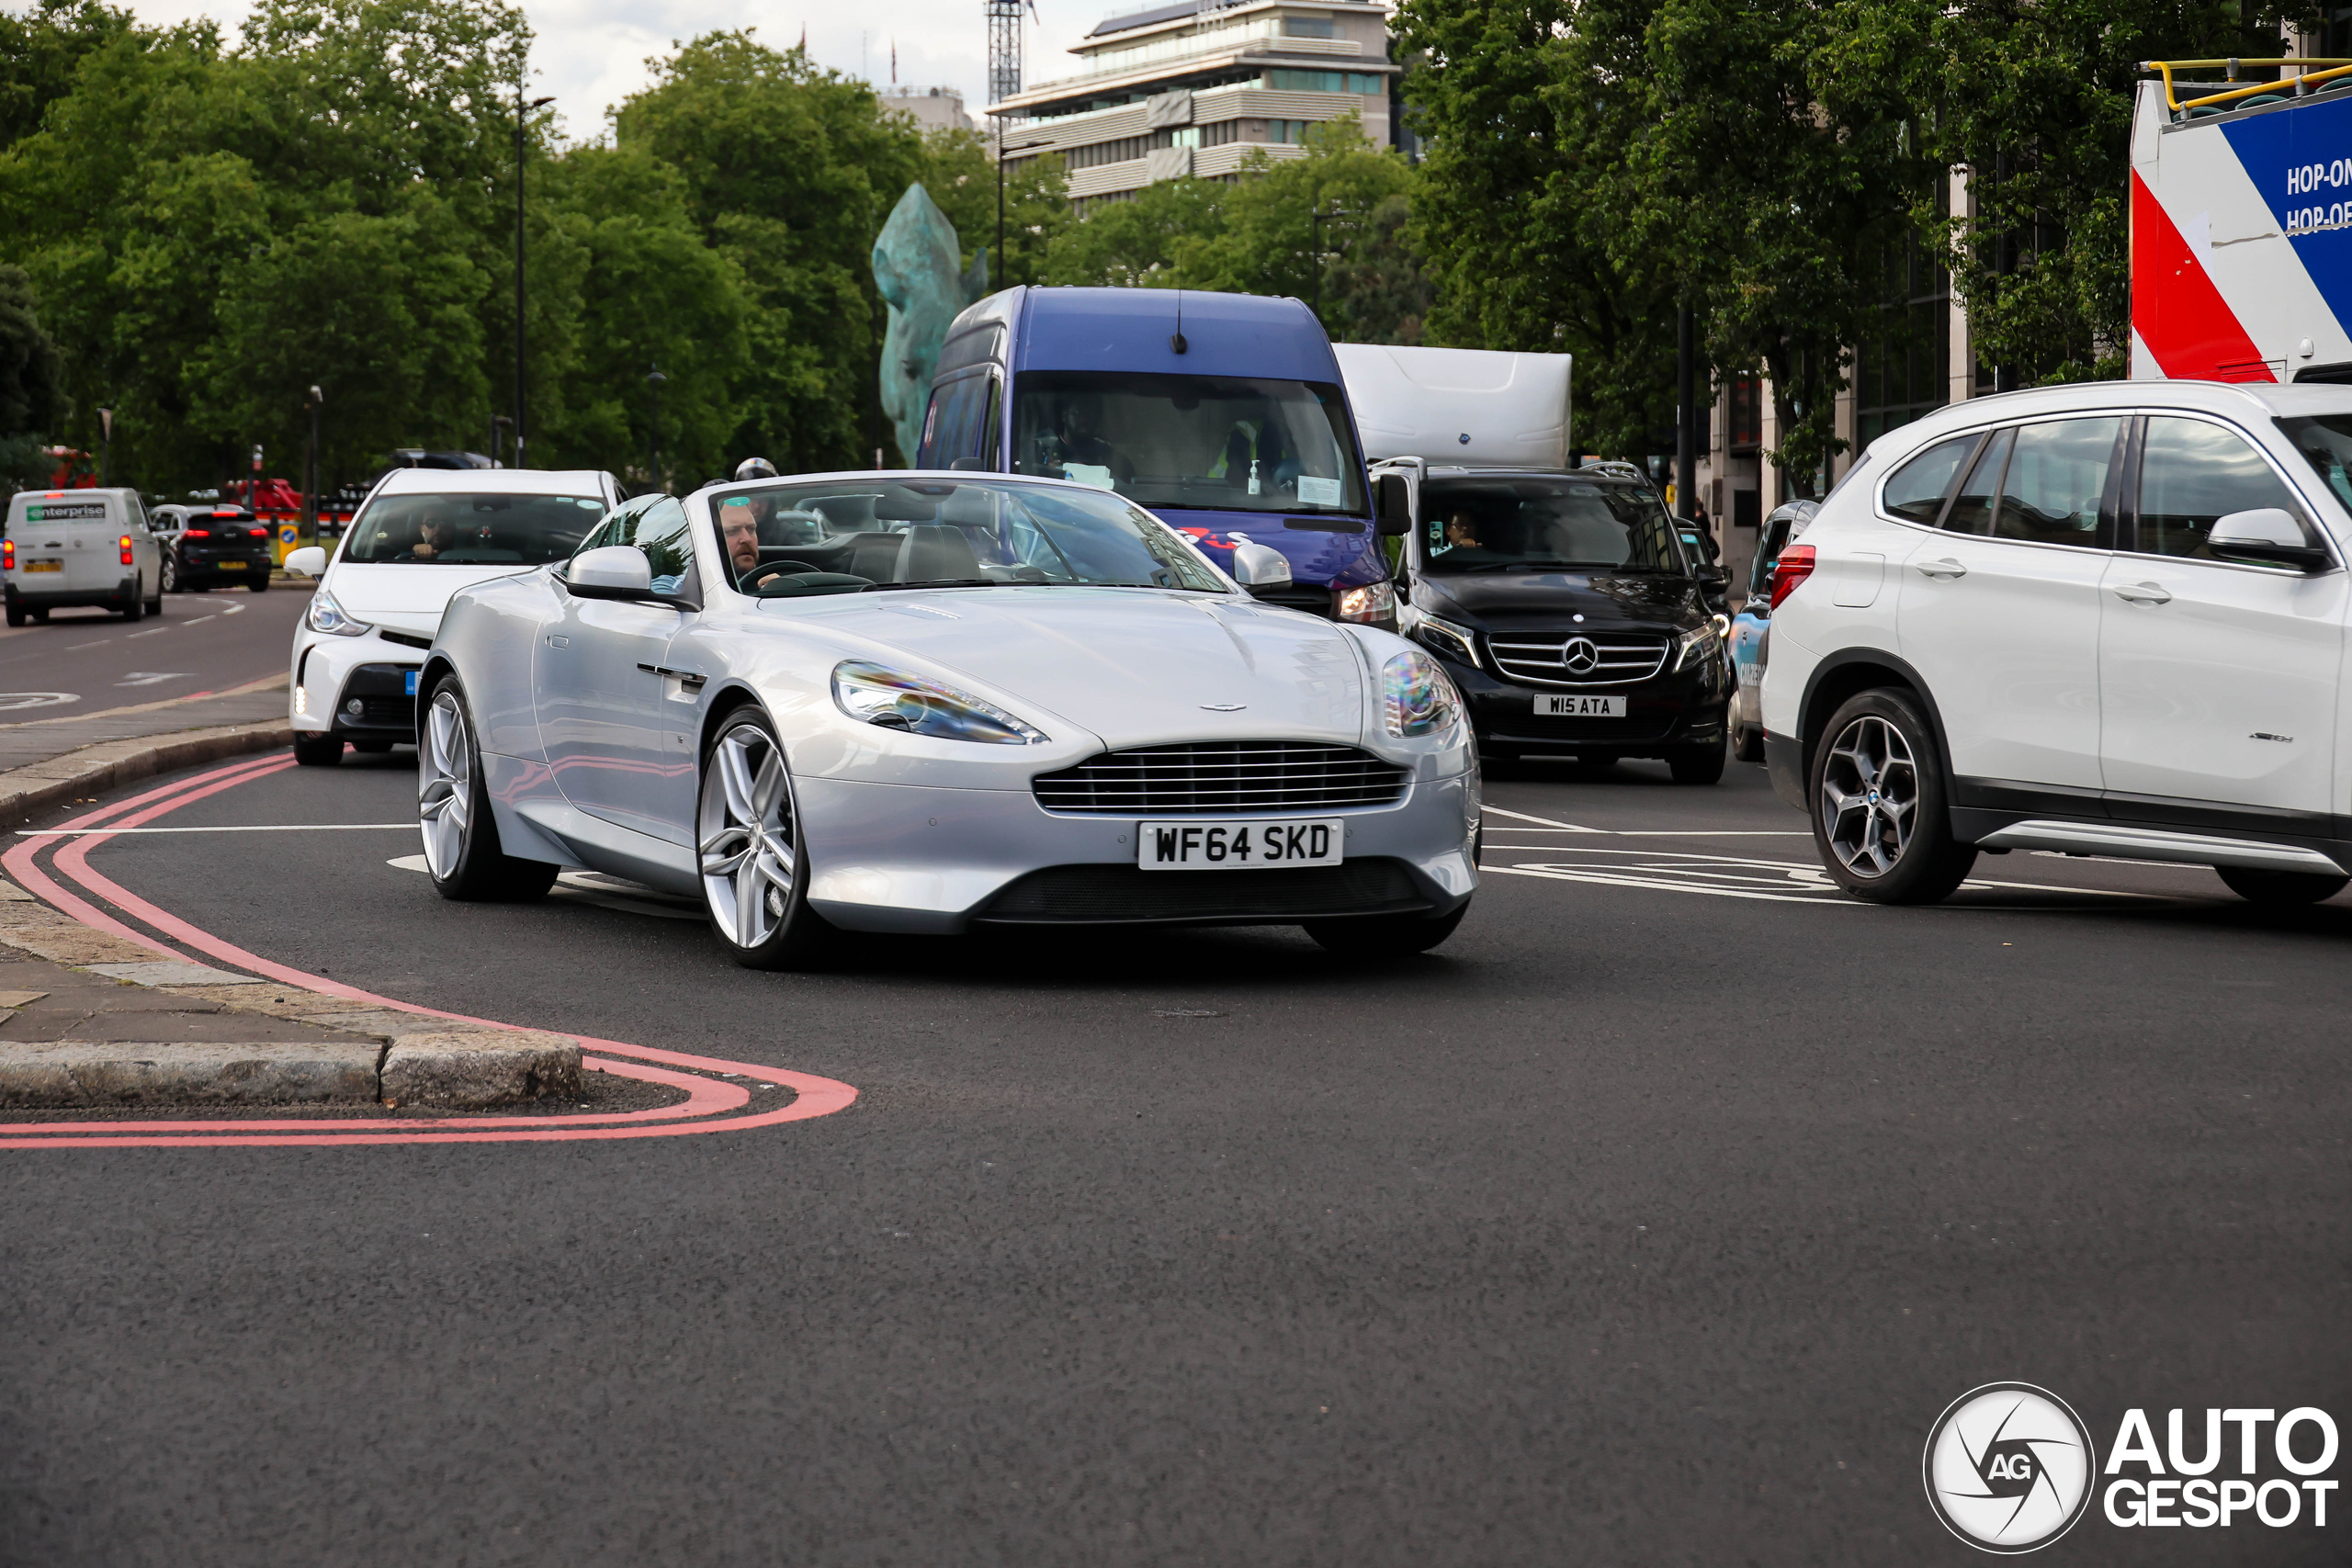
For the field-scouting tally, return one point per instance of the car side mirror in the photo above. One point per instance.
(611, 571)
(1261, 566)
(1392, 504)
(311, 561)
(1713, 576)
(2267, 535)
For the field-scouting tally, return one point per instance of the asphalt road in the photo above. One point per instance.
(1652, 1220)
(96, 660)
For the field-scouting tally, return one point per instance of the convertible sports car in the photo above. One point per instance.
(930, 702)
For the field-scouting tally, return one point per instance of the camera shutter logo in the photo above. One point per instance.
(2009, 1467)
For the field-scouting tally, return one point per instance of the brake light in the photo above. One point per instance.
(1794, 566)
(8, 554)
(261, 533)
(199, 533)
(126, 549)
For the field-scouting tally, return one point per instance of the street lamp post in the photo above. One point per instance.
(1004, 277)
(310, 469)
(522, 116)
(105, 445)
(499, 425)
(655, 379)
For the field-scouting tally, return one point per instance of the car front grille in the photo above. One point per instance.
(1222, 777)
(1576, 659)
(380, 690)
(1112, 894)
(1298, 597)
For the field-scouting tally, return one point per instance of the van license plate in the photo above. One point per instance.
(44, 566)
(1550, 706)
(228, 566)
(1239, 846)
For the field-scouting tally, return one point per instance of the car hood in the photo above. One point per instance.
(406, 598)
(1135, 666)
(1499, 600)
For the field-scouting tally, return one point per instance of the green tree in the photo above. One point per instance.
(39, 51)
(1140, 243)
(29, 379)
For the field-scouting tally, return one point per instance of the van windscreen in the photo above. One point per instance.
(1191, 443)
(470, 530)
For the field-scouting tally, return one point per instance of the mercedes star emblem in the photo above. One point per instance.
(1580, 656)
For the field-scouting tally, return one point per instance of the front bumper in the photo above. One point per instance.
(331, 674)
(1666, 712)
(907, 858)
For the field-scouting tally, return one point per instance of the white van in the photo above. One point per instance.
(80, 547)
(421, 534)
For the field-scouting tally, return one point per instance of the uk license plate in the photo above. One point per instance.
(412, 683)
(229, 565)
(1549, 705)
(1239, 846)
(44, 566)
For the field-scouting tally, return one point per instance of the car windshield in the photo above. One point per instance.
(458, 529)
(846, 536)
(1542, 523)
(1192, 443)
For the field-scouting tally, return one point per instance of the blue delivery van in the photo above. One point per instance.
(1223, 415)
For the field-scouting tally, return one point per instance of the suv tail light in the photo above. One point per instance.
(126, 549)
(1794, 566)
(8, 554)
(197, 533)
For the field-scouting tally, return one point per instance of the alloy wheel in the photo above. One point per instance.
(745, 836)
(445, 785)
(1870, 796)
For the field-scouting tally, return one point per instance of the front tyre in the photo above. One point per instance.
(755, 861)
(2280, 889)
(260, 584)
(1880, 817)
(1697, 764)
(318, 751)
(1386, 936)
(453, 810)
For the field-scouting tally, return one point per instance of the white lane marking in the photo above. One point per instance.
(232, 610)
(11, 701)
(159, 631)
(241, 828)
(198, 620)
(1545, 821)
(152, 677)
(1567, 874)
(78, 647)
(1796, 882)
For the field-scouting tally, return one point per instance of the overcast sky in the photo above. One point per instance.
(591, 54)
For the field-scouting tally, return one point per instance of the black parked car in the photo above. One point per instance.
(1568, 611)
(207, 546)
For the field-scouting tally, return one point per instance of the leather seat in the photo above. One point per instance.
(930, 552)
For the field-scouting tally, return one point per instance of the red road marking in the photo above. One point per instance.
(708, 1101)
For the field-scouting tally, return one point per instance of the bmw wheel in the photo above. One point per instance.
(755, 862)
(452, 809)
(2280, 889)
(1879, 816)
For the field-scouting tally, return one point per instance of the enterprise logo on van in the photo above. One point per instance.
(72, 511)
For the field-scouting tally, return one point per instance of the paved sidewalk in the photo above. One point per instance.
(43, 739)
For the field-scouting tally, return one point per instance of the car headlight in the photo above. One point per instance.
(1419, 700)
(1696, 647)
(1374, 602)
(1445, 637)
(892, 699)
(326, 615)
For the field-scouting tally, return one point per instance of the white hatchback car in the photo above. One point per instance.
(2106, 618)
(421, 534)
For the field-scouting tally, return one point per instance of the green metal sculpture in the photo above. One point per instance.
(915, 267)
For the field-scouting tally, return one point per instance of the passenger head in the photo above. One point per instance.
(1462, 529)
(1082, 418)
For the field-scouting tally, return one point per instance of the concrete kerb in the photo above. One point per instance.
(379, 1055)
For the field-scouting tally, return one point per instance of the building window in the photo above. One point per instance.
(1905, 370)
(1303, 27)
(1327, 81)
(1218, 134)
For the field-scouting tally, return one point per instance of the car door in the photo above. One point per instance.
(2216, 680)
(609, 709)
(2001, 608)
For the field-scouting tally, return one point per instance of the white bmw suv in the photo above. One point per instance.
(2106, 618)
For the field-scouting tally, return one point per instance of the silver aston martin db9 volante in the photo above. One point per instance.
(934, 702)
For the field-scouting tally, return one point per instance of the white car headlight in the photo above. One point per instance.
(1417, 697)
(328, 616)
(1374, 602)
(892, 699)
(1696, 647)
